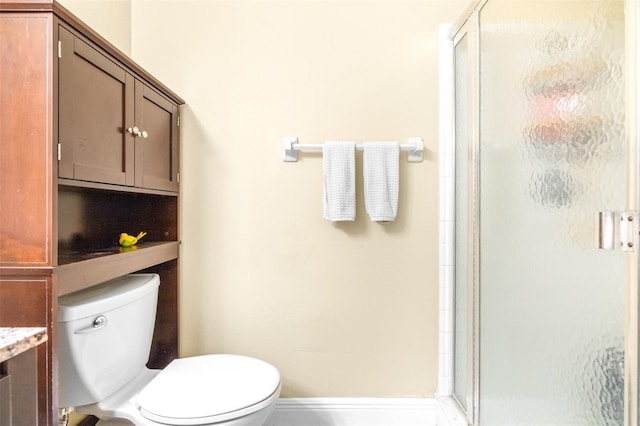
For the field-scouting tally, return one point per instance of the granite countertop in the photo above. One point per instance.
(15, 340)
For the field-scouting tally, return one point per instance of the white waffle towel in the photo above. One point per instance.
(381, 180)
(339, 189)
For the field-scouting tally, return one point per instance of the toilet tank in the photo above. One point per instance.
(104, 337)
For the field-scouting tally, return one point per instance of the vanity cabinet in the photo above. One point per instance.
(18, 390)
(18, 375)
(113, 127)
(73, 177)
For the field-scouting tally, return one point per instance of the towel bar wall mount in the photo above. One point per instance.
(414, 148)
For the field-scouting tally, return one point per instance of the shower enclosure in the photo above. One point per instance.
(541, 325)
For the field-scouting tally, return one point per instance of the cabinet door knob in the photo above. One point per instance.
(137, 133)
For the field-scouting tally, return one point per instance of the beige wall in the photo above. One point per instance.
(345, 309)
(110, 18)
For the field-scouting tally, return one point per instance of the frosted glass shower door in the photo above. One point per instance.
(552, 153)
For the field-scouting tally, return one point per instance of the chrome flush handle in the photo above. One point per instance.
(98, 323)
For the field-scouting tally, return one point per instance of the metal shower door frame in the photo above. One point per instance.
(469, 27)
(632, 303)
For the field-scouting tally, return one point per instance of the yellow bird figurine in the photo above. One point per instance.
(127, 240)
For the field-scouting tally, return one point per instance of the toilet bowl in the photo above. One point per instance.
(104, 340)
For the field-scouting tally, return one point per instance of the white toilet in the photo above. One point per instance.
(104, 341)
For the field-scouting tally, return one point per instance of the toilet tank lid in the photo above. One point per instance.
(106, 296)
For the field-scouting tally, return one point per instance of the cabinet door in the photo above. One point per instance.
(95, 101)
(157, 146)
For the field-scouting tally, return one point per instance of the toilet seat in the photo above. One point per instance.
(208, 389)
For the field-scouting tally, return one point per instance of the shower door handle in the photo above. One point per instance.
(617, 230)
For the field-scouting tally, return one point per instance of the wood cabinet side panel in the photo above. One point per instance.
(26, 183)
(165, 345)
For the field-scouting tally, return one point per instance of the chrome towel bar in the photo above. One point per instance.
(414, 148)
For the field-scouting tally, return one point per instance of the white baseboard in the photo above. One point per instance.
(354, 412)
(449, 412)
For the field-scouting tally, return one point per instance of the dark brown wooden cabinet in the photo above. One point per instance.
(113, 127)
(95, 105)
(156, 147)
(73, 176)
